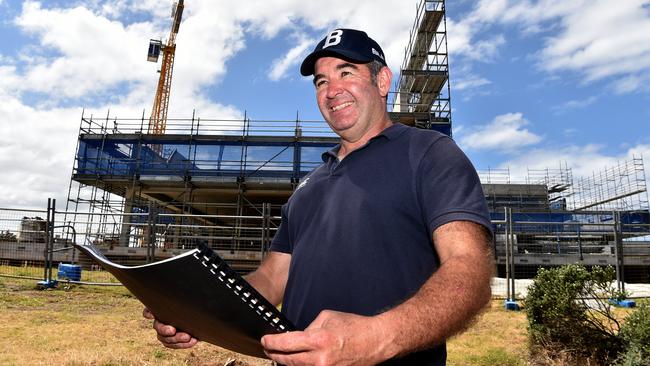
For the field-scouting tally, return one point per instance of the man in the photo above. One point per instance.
(383, 250)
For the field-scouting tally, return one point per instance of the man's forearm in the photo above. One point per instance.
(271, 277)
(263, 285)
(442, 307)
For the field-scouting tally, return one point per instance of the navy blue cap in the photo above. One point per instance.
(349, 44)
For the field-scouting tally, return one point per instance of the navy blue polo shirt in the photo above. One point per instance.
(359, 230)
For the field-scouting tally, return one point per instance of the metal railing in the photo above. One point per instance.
(204, 126)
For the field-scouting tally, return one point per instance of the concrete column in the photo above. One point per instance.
(126, 220)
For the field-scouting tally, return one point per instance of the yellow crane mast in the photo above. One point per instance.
(158, 119)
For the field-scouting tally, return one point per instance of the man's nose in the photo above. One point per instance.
(334, 88)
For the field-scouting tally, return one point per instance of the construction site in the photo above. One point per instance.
(151, 187)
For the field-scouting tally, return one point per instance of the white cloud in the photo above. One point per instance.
(575, 104)
(469, 81)
(36, 152)
(280, 66)
(462, 43)
(601, 41)
(390, 28)
(581, 103)
(583, 160)
(590, 38)
(506, 132)
(86, 51)
(632, 83)
(80, 52)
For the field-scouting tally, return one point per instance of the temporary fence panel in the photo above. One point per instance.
(34, 243)
(22, 242)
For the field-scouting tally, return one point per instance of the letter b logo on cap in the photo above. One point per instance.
(333, 38)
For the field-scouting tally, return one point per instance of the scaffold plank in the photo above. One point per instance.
(424, 36)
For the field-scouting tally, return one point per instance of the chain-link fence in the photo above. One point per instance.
(34, 243)
(527, 241)
(22, 242)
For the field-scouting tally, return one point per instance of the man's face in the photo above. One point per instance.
(347, 98)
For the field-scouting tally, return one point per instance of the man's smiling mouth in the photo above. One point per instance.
(340, 106)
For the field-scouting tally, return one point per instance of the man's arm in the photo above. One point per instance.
(269, 280)
(450, 299)
(442, 307)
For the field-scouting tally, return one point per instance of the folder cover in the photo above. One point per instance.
(198, 293)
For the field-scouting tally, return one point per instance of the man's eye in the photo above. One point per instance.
(320, 83)
(345, 73)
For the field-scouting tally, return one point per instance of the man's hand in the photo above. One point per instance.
(333, 338)
(167, 334)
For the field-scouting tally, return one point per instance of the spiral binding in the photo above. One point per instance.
(242, 289)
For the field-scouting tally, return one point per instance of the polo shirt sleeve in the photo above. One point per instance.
(281, 241)
(449, 187)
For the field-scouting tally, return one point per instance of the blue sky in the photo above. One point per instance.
(535, 83)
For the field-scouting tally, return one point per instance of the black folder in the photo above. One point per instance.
(198, 293)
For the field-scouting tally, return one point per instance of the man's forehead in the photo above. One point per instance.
(335, 62)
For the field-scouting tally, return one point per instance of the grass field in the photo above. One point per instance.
(90, 325)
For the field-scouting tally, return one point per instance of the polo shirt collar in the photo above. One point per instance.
(391, 133)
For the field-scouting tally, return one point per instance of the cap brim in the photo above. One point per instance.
(309, 63)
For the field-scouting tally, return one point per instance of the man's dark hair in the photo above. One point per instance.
(374, 67)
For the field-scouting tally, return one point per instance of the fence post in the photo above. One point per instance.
(48, 253)
(507, 245)
(51, 238)
(511, 259)
(618, 251)
(47, 231)
(580, 243)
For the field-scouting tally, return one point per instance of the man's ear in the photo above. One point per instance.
(384, 78)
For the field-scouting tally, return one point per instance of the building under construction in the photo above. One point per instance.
(143, 194)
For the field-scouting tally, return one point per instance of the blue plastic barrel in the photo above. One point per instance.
(70, 272)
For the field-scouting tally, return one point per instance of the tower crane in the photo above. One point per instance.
(158, 119)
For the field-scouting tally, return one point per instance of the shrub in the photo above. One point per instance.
(8, 236)
(568, 311)
(635, 333)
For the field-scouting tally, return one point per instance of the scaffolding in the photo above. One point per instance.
(207, 183)
(619, 187)
(537, 190)
(422, 96)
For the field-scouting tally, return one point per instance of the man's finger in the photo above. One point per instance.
(164, 329)
(287, 342)
(147, 314)
(303, 358)
(175, 343)
(176, 338)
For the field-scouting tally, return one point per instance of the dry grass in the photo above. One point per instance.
(87, 325)
(498, 337)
